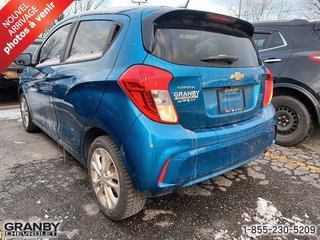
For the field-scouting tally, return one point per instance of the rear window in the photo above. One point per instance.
(205, 48)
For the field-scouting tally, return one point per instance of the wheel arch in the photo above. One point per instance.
(90, 135)
(20, 91)
(95, 131)
(303, 95)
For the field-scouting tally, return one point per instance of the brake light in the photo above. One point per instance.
(315, 57)
(268, 92)
(220, 18)
(147, 87)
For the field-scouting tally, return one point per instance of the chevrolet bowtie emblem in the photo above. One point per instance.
(237, 76)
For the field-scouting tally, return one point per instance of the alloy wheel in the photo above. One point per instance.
(24, 112)
(105, 178)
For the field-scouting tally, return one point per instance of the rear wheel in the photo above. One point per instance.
(294, 122)
(111, 184)
(26, 115)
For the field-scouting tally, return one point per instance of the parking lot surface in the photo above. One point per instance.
(39, 182)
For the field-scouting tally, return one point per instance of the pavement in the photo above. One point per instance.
(40, 182)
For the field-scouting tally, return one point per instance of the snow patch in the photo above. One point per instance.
(71, 234)
(246, 217)
(222, 234)
(10, 114)
(164, 224)
(150, 214)
(267, 214)
(91, 209)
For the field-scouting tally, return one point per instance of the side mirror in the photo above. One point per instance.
(24, 59)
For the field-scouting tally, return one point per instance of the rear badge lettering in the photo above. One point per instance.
(186, 96)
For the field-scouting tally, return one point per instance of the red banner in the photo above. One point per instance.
(22, 21)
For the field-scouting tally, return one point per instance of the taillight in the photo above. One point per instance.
(268, 92)
(315, 57)
(147, 87)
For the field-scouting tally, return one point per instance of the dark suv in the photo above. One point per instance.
(291, 50)
(10, 77)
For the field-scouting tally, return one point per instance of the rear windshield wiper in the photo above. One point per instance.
(221, 58)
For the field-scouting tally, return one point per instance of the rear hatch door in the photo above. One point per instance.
(217, 72)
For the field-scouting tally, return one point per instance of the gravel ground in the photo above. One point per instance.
(39, 182)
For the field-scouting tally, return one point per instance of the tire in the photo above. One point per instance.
(294, 122)
(26, 115)
(122, 200)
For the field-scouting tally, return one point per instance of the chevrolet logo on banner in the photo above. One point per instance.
(237, 76)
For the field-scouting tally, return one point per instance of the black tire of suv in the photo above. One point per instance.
(305, 123)
(130, 200)
(30, 127)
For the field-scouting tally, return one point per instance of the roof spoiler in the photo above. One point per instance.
(189, 15)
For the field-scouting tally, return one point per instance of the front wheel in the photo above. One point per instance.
(111, 184)
(26, 115)
(294, 122)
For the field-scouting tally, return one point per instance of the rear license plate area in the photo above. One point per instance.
(231, 100)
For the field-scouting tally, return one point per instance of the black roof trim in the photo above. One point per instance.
(294, 22)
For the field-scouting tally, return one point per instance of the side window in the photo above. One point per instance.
(91, 40)
(276, 40)
(52, 49)
(262, 40)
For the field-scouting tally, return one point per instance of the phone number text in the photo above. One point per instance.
(280, 230)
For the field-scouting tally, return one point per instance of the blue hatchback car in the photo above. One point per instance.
(150, 99)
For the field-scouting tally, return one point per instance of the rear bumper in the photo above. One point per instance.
(194, 155)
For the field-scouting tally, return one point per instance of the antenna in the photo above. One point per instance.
(187, 4)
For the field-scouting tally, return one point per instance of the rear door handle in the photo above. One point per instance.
(273, 60)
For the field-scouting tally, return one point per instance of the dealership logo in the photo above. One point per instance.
(186, 96)
(29, 229)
